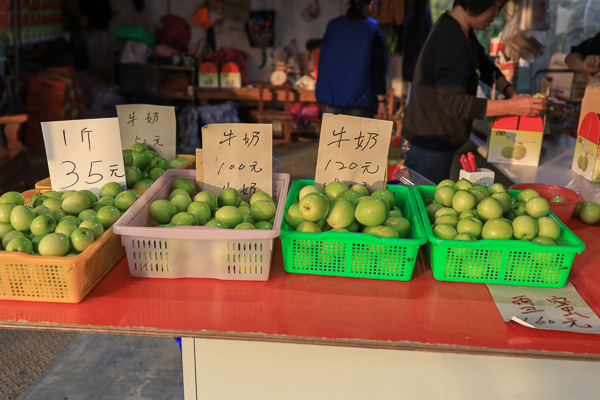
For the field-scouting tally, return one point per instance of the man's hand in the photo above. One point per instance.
(591, 64)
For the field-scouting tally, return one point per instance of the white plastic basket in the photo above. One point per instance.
(196, 251)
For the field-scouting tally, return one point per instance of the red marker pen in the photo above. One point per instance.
(465, 163)
(472, 163)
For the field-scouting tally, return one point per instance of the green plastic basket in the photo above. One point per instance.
(505, 262)
(354, 255)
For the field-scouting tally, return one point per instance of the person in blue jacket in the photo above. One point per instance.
(353, 64)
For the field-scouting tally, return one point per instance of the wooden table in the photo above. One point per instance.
(230, 325)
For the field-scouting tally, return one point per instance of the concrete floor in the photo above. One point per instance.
(38, 365)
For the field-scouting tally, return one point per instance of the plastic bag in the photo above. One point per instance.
(135, 52)
(589, 191)
(522, 43)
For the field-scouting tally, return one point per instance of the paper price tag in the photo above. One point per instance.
(152, 125)
(237, 156)
(544, 308)
(353, 150)
(84, 153)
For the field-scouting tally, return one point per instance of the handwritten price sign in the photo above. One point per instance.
(238, 156)
(556, 309)
(353, 150)
(155, 126)
(84, 153)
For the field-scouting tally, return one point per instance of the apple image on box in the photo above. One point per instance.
(582, 162)
(519, 152)
(507, 152)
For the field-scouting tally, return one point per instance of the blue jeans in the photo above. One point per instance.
(354, 112)
(432, 164)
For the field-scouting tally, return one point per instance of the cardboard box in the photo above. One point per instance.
(585, 158)
(516, 140)
(230, 76)
(208, 75)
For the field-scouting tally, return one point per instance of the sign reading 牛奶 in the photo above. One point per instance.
(237, 156)
(84, 153)
(155, 126)
(353, 150)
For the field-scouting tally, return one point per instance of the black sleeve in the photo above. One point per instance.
(583, 48)
(452, 69)
(487, 69)
(379, 62)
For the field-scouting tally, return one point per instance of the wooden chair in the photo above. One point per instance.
(15, 168)
(264, 115)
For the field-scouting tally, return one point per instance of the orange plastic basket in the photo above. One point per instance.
(46, 184)
(58, 279)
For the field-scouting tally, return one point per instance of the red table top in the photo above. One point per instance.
(422, 313)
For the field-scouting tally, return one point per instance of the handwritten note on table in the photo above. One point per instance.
(545, 308)
(152, 125)
(238, 156)
(84, 153)
(353, 150)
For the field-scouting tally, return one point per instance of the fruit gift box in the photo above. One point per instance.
(155, 250)
(351, 252)
(519, 242)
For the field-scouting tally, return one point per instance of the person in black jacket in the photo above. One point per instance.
(585, 57)
(443, 103)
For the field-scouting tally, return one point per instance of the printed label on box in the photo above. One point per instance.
(515, 147)
(584, 157)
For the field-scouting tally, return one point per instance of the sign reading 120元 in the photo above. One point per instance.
(353, 150)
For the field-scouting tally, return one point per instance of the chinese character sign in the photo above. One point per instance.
(543, 308)
(353, 150)
(84, 153)
(155, 126)
(238, 156)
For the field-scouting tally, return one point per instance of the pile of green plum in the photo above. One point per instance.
(463, 211)
(57, 223)
(339, 208)
(186, 207)
(143, 166)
